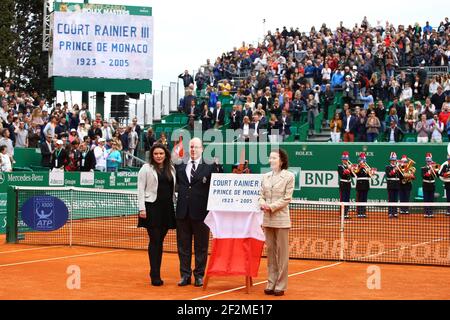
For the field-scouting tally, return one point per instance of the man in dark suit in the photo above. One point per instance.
(258, 128)
(394, 133)
(87, 157)
(349, 124)
(187, 78)
(235, 118)
(438, 99)
(46, 151)
(193, 179)
(247, 112)
(192, 113)
(284, 125)
(218, 116)
(191, 109)
(59, 156)
(187, 101)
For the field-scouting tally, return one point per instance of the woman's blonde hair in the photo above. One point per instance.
(36, 113)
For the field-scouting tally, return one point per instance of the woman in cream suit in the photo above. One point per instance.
(276, 194)
(156, 198)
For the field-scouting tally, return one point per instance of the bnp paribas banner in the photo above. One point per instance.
(101, 41)
(315, 165)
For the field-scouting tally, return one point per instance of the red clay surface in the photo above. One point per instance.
(314, 235)
(37, 272)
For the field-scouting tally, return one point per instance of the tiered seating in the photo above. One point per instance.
(299, 129)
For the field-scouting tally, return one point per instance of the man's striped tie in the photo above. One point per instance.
(192, 170)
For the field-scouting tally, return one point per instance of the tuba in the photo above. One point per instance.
(408, 171)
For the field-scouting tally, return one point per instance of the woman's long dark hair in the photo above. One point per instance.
(167, 161)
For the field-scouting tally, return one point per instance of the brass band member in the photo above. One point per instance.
(408, 176)
(429, 175)
(345, 181)
(444, 174)
(363, 176)
(393, 183)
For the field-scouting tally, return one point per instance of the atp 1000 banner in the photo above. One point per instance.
(102, 41)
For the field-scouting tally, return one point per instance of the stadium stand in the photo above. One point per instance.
(303, 79)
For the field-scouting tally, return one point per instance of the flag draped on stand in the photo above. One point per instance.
(238, 242)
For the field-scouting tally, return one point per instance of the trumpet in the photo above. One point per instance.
(436, 166)
(434, 169)
(351, 167)
(370, 171)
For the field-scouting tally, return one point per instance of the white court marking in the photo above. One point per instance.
(320, 268)
(262, 282)
(31, 249)
(59, 258)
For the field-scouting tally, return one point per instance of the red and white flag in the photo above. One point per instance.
(178, 149)
(238, 242)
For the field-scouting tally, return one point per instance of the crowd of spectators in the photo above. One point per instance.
(69, 137)
(426, 117)
(299, 73)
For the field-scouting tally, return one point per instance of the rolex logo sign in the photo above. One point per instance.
(304, 152)
(44, 213)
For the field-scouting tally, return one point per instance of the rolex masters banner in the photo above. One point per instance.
(102, 41)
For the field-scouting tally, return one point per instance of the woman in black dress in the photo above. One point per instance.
(156, 186)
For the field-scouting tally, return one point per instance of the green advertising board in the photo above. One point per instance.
(26, 157)
(315, 165)
(97, 180)
(102, 8)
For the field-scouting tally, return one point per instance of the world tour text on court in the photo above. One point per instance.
(372, 250)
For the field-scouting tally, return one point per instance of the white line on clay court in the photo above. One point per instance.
(319, 268)
(262, 282)
(31, 249)
(60, 258)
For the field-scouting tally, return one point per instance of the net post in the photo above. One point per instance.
(70, 217)
(12, 215)
(341, 231)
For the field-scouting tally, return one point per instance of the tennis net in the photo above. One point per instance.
(320, 231)
(402, 233)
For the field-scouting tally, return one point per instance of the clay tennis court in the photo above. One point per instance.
(104, 248)
(316, 234)
(40, 272)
